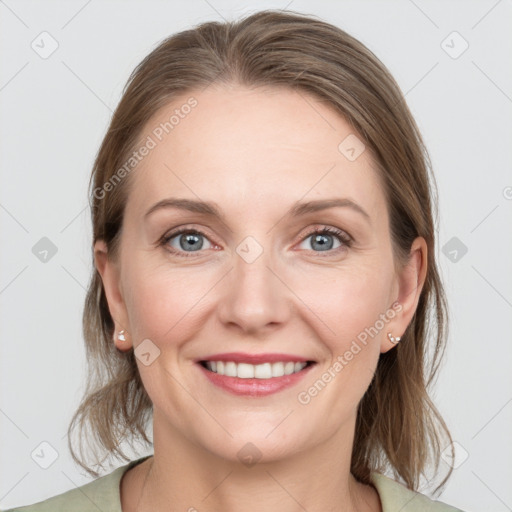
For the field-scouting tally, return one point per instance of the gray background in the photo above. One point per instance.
(55, 112)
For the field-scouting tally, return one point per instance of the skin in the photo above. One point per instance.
(255, 152)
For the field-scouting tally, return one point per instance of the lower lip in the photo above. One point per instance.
(255, 387)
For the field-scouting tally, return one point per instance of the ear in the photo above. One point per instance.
(110, 276)
(410, 281)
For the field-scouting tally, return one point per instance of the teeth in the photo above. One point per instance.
(289, 368)
(254, 371)
(230, 369)
(245, 371)
(263, 371)
(277, 369)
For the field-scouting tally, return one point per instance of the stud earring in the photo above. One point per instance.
(121, 336)
(393, 339)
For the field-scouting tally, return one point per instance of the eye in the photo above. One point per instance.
(185, 241)
(323, 239)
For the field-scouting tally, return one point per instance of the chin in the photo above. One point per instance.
(257, 443)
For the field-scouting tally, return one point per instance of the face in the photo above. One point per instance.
(263, 279)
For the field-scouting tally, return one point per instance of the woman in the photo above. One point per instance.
(265, 270)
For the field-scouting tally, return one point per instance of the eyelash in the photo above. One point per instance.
(345, 239)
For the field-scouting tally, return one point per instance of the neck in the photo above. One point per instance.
(185, 476)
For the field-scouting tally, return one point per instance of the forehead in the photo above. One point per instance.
(263, 147)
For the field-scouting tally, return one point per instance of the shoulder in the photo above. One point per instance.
(100, 494)
(395, 496)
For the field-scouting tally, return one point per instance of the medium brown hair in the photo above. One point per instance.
(398, 427)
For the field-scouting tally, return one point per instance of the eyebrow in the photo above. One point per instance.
(298, 209)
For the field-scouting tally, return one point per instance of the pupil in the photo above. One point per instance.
(193, 240)
(323, 240)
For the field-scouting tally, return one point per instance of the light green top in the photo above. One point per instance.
(104, 494)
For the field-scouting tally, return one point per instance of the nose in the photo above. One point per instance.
(255, 298)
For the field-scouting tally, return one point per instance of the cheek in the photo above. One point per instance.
(346, 301)
(348, 320)
(162, 299)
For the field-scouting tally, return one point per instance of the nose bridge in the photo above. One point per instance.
(252, 269)
(255, 297)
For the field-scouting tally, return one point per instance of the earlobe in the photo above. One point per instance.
(109, 273)
(410, 284)
(120, 340)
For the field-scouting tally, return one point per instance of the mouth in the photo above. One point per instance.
(255, 371)
(254, 375)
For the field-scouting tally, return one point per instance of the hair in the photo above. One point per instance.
(398, 427)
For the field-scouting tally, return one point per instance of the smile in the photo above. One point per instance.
(254, 371)
(254, 375)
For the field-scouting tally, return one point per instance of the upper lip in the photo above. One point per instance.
(240, 357)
